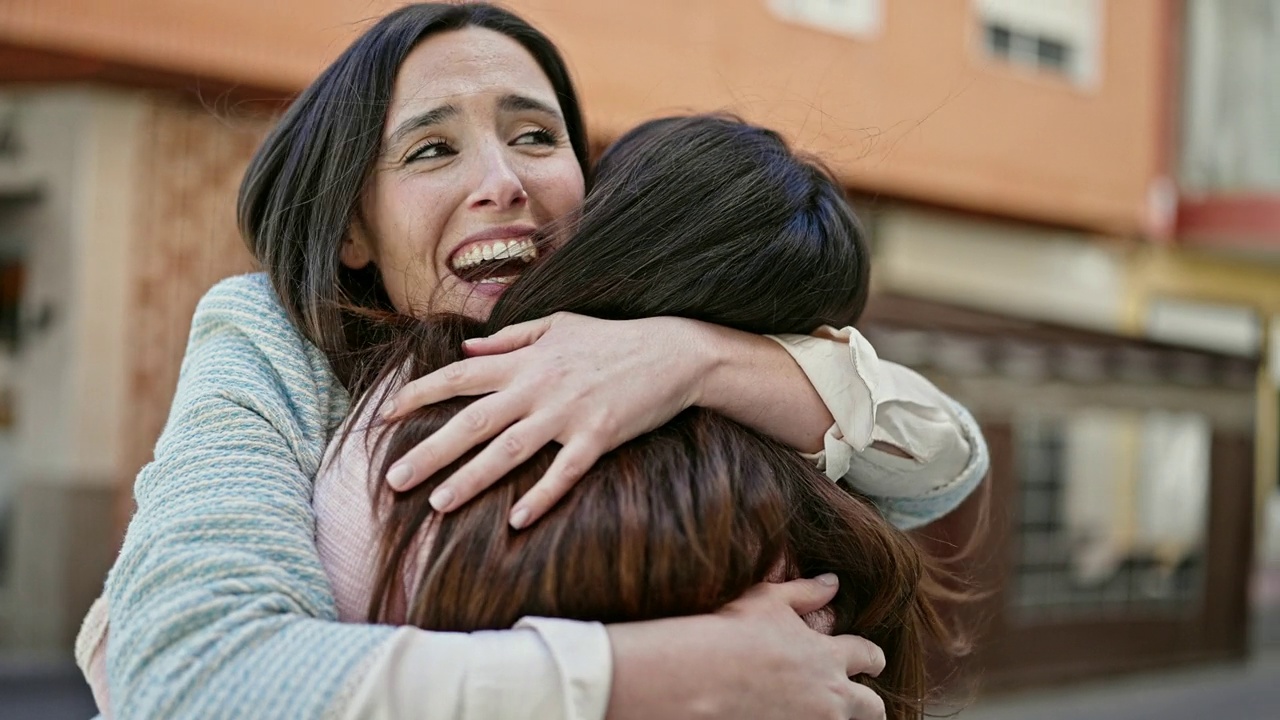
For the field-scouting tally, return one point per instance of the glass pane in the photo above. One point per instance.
(999, 40)
(1052, 54)
(1113, 515)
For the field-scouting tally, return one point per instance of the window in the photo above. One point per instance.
(1113, 510)
(1053, 54)
(1038, 51)
(1056, 36)
(1231, 99)
(855, 18)
(999, 40)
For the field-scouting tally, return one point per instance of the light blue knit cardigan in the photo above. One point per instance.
(219, 606)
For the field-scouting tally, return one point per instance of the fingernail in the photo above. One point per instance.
(388, 409)
(441, 499)
(519, 518)
(828, 579)
(399, 475)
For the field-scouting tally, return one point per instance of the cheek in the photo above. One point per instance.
(413, 218)
(557, 188)
(408, 221)
(423, 210)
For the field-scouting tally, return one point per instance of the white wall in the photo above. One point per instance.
(1273, 352)
(1231, 96)
(1231, 329)
(1002, 267)
(854, 18)
(70, 378)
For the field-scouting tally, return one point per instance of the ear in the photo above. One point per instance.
(356, 252)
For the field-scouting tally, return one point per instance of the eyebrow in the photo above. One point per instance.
(520, 103)
(435, 116)
(431, 117)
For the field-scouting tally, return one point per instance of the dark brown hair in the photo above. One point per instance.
(302, 187)
(704, 217)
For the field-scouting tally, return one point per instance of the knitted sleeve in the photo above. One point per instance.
(219, 607)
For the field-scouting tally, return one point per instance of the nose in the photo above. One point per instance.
(500, 187)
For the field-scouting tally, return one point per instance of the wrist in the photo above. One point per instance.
(714, 350)
(653, 675)
(699, 352)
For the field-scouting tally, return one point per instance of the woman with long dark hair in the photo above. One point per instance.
(443, 131)
(702, 217)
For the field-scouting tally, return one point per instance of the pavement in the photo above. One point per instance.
(43, 691)
(1242, 692)
(1247, 691)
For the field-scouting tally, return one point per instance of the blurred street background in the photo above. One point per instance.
(1075, 212)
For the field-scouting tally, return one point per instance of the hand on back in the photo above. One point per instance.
(756, 658)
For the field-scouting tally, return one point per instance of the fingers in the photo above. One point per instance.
(515, 445)
(473, 376)
(512, 337)
(472, 426)
(571, 463)
(862, 657)
(805, 596)
(863, 703)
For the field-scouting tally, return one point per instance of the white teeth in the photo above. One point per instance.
(505, 280)
(521, 249)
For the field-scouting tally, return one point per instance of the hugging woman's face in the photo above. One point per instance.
(474, 158)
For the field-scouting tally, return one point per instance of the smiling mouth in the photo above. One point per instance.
(494, 261)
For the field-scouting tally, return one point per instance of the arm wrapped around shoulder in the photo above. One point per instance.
(680, 521)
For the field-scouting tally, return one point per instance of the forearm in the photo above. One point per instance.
(218, 603)
(753, 380)
(639, 661)
(218, 606)
(754, 658)
(542, 668)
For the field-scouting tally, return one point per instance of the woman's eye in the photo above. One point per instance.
(430, 151)
(537, 137)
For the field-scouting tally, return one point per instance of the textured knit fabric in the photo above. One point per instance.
(218, 604)
(219, 607)
(91, 654)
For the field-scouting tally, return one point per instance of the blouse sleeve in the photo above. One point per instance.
(876, 401)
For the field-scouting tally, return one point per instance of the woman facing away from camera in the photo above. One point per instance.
(701, 217)
(442, 128)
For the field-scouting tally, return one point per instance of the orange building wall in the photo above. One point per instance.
(917, 112)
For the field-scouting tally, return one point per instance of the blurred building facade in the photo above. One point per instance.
(1074, 204)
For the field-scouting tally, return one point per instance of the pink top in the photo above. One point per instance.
(348, 524)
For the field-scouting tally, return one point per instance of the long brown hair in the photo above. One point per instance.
(704, 217)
